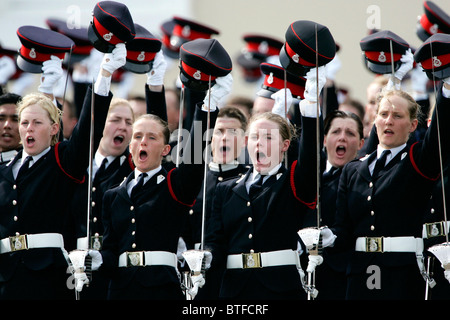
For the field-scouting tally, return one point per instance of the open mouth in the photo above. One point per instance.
(29, 141)
(143, 155)
(340, 150)
(388, 132)
(118, 140)
(260, 156)
(224, 149)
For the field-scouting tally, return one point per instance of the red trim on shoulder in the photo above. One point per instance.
(60, 166)
(169, 184)
(411, 158)
(130, 161)
(311, 205)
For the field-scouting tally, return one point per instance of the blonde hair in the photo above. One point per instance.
(117, 102)
(54, 113)
(413, 107)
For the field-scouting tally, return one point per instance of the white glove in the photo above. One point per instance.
(446, 91)
(283, 100)
(218, 92)
(155, 77)
(97, 259)
(314, 261)
(197, 282)
(311, 86)
(81, 279)
(419, 82)
(51, 72)
(333, 67)
(7, 69)
(208, 258)
(407, 64)
(328, 237)
(116, 59)
(447, 275)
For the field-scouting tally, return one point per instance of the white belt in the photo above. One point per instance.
(148, 258)
(31, 241)
(435, 229)
(263, 259)
(389, 244)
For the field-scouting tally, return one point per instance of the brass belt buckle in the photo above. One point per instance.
(135, 259)
(251, 260)
(434, 229)
(18, 242)
(374, 244)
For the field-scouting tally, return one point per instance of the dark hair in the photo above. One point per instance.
(235, 113)
(9, 97)
(357, 105)
(344, 115)
(286, 128)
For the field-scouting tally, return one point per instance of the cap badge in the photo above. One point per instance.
(108, 36)
(270, 78)
(436, 62)
(32, 53)
(141, 56)
(186, 32)
(434, 29)
(198, 75)
(295, 58)
(382, 57)
(263, 47)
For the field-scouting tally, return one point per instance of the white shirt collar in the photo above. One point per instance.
(394, 152)
(35, 157)
(150, 173)
(273, 171)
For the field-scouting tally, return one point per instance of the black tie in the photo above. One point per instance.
(381, 162)
(100, 170)
(256, 187)
(138, 185)
(25, 166)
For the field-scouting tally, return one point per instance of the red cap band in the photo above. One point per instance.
(195, 73)
(83, 50)
(267, 50)
(32, 54)
(141, 56)
(106, 34)
(436, 62)
(428, 26)
(296, 58)
(381, 56)
(274, 82)
(182, 32)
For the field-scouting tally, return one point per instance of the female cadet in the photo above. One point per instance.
(144, 216)
(254, 234)
(343, 138)
(112, 163)
(227, 144)
(380, 211)
(36, 188)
